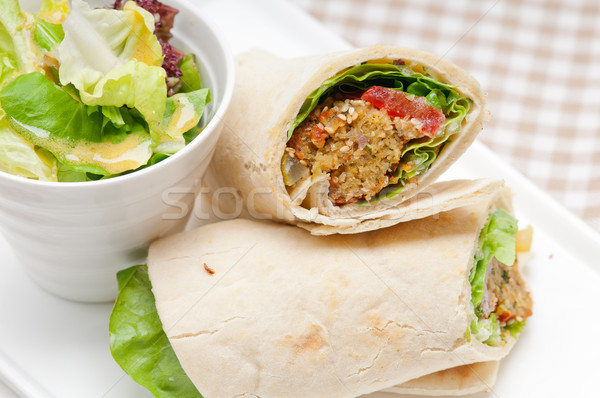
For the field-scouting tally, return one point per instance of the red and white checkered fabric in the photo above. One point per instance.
(538, 61)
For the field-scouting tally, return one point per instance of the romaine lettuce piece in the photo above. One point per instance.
(13, 44)
(134, 85)
(19, 157)
(190, 81)
(182, 114)
(138, 342)
(47, 35)
(98, 41)
(9, 61)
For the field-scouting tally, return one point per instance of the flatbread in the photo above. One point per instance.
(461, 380)
(269, 93)
(286, 313)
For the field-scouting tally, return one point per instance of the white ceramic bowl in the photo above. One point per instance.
(72, 238)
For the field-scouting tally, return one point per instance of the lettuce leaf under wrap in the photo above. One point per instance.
(138, 342)
(443, 96)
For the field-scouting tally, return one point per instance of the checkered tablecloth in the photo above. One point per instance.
(538, 61)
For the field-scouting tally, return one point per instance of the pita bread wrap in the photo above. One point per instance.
(360, 171)
(265, 309)
(461, 380)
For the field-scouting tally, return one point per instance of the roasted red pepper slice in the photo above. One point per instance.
(398, 103)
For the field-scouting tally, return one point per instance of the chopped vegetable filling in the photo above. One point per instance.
(356, 143)
(505, 294)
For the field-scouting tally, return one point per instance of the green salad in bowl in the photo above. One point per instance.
(91, 93)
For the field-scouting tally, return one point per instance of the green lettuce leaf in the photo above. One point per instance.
(98, 41)
(183, 112)
(496, 239)
(487, 331)
(67, 174)
(47, 35)
(138, 342)
(19, 157)
(516, 327)
(191, 76)
(9, 60)
(80, 136)
(13, 44)
(134, 85)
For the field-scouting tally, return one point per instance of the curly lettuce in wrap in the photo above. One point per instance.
(216, 312)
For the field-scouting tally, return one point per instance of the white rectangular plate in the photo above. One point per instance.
(53, 348)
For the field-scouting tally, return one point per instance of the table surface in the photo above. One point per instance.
(537, 60)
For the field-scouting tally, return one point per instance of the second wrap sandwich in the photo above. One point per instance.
(343, 138)
(264, 309)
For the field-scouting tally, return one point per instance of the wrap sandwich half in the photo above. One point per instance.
(341, 138)
(244, 308)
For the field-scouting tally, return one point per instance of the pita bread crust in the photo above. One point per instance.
(268, 95)
(291, 314)
(462, 380)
